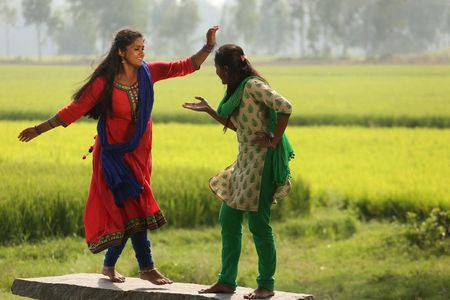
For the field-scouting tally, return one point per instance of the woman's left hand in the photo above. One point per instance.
(263, 140)
(211, 36)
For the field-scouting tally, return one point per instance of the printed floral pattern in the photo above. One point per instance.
(239, 184)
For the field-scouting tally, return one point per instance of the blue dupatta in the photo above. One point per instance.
(118, 175)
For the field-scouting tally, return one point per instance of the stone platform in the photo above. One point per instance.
(96, 286)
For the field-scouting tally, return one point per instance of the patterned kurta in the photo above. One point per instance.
(239, 184)
(105, 223)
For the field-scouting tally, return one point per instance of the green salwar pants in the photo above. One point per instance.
(259, 224)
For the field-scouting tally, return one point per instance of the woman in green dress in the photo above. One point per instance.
(260, 174)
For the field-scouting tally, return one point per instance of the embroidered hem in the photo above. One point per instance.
(139, 224)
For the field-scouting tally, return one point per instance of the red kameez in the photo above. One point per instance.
(105, 223)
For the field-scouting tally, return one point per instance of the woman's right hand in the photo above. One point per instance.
(203, 105)
(28, 134)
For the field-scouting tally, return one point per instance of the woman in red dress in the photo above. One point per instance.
(120, 203)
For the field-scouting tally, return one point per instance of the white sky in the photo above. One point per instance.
(216, 3)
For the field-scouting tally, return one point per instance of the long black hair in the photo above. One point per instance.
(232, 56)
(108, 68)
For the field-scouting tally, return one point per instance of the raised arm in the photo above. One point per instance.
(161, 70)
(199, 57)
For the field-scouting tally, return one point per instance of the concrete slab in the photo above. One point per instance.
(97, 286)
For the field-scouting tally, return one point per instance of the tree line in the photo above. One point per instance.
(302, 28)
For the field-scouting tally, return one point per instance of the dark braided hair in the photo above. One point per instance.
(238, 66)
(108, 68)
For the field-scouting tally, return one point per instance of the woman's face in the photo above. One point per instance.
(134, 53)
(222, 73)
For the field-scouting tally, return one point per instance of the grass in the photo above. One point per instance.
(408, 96)
(358, 261)
(380, 173)
(375, 173)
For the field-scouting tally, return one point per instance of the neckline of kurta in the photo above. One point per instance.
(133, 97)
(124, 86)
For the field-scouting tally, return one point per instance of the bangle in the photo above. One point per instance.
(37, 130)
(50, 123)
(208, 48)
(271, 144)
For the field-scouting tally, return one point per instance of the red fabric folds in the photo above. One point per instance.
(105, 223)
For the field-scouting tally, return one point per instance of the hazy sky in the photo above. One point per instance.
(23, 38)
(216, 3)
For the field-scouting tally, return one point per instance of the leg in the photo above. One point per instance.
(111, 257)
(267, 256)
(231, 222)
(259, 224)
(141, 246)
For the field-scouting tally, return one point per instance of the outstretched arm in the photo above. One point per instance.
(68, 114)
(204, 106)
(31, 132)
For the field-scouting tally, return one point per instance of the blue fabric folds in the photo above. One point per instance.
(118, 175)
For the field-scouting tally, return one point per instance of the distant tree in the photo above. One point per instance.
(74, 35)
(424, 23)
(228, 31)
(107, 16)
(299, 11)
(159, 14)
(185, 24)
(340, 21)
(37, 12)
(446, 23)
(245, 20)
(8, 17)
(173, 25)
(401, 26)
(275, 30)
(446, 27)
(313, 28)
(382, 25)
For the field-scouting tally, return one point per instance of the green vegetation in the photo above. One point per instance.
(380, 173)
(431, 233)
(333, 235)
(408, 96)
(340, 261)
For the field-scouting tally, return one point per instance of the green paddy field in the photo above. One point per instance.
(378, 95)
(372, 145)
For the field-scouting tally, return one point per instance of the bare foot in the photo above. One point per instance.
(259, 293)
(217, 288)
(154, 276)
(113, 275)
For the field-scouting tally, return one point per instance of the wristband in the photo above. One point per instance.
(208, 48)
(50, 123)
